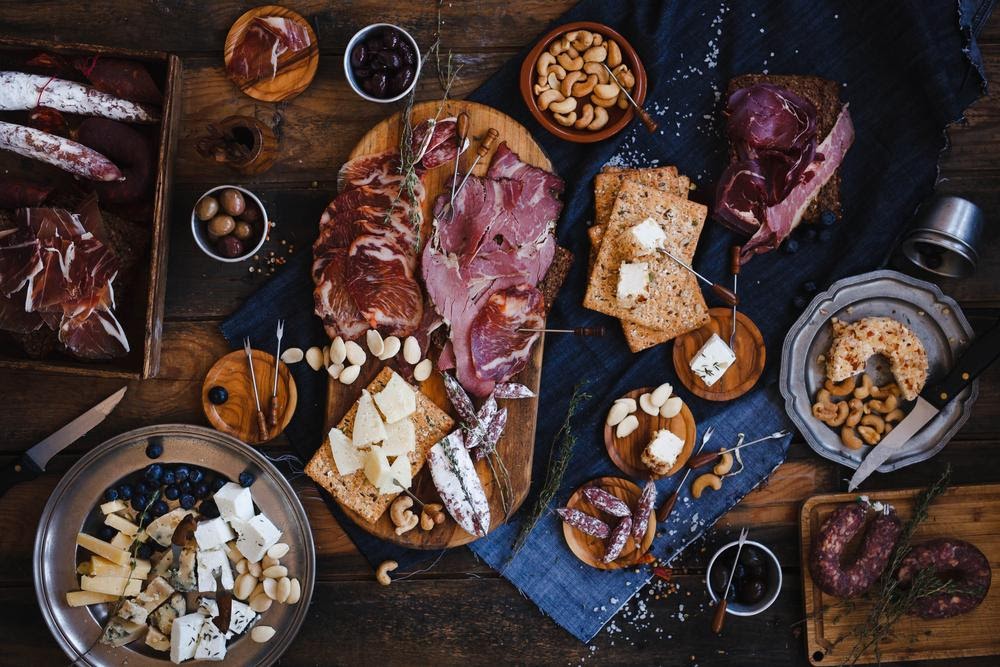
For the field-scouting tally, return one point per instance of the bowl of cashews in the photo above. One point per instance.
(568, 81)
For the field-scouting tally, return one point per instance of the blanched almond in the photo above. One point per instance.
(283, 590)
(241, 566)
(244, 585)
(390, 347)
(646, 404)
(260, 603)
(294, 591)
(335, 370)
(278, 551)
(326, 355)
(355, 354)
(411, 351)
(262, 633)
(661, 394)
(350, 374)
(254, 569)
(617, 413)
(338, 350)
(375, 343)
(293, 355)
(275, 572)
(268, 562)
(271, 588)
(672, 407)
(629, 403)
(627, 426)
(422, 371)
(314, 357)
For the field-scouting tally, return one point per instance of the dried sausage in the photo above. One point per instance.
(848, 580)
(130, 152)
(585, 523)
(956, 561)
(606, 502)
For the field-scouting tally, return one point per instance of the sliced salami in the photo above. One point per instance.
(585, 523)
(512, 390)
(434, 143)
(500, 349)
(459, 399)
(616, 542)
(606, 502)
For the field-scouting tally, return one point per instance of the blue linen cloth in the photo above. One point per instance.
(907, 70)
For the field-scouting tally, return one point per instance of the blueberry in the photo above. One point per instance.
(139, 502)
(143, 488)
(196, 475)
(799, 302)
(791, 246)
(168, 477)
(125, 491)
(144, 551)
(159, 508)
(185, 486)
(810, 234)
(154, 472)
(172, 492)
(111, 494)
(209, 509)
(809, 287)
(154, 450)
(826, 236)
(187, 501)
(201, 491)
(218, 395)
(107, 533)
(182, 473)
(218, 483)
(247, 478)
(828, 218)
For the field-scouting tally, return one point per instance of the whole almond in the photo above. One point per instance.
(254, 569)
(283, 590)
(646, 404)
(411, 351)
(314, 357)
(376, 345)
(260, 603)
(627, 426)
(617, 413)
(262, 633)
(276, 572)
(278, 551)
(349, 374)
(245, 584)
(338, 350)
(355, 354)
(390, 347)
(271, 588)
(661, 394)
(293, 355)
(294, 591)
(422, 371)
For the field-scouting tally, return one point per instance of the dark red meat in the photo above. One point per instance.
(97, 335)
(434, 143)
(380, 281)
(499, 348)
(334, 304)
(14, 318)
(127, 79)
(257, 54)
(955, 561)
(129, 150)
(849, 580)
(19, 192)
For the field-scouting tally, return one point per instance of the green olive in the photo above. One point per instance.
(243, 230)
(207, 208)
(232, 202)
(221, 225)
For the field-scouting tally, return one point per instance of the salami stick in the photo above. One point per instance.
(58, 151)
(619, 536)
(640, 520)
(606, 502)
(20, 91)
(585, 523)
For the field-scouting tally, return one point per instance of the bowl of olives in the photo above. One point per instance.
(756, 581)
(382, 62)
(229, 223)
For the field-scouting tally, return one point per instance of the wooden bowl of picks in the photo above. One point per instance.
(751, 354)
(618, 118)
(238, 415)
(590, 549)
(627, 452)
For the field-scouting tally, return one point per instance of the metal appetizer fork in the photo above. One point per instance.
(720, 610)
(261, 423)
(668, 505)
(272, 414)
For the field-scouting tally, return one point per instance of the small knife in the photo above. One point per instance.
(31, 464)
(983, 351)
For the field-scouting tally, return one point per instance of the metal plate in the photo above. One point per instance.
(72, 508)
(935, 318)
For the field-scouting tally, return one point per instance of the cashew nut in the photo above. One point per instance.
(699, 485)
(857, 411)
(382, 573)
(410, 522)
(627, 79)
(552, 80)
(565, 119)
(600, 101)
(831, 414)
(607, 90)
(595, 54)
(540, 88)
(888, 427)
(725, 465)
(850, 438)
(891, 389)
(869, 435)
(614, 53)
(431, 516)
(622, 100)
(548, 97)
(563, 106)
(584, 88)
(823, 396)
(571, 63)
(894, 416)
(598, 39)
(544, 60)
(572, 52)
(558, 47)
(583, 40)
(401, 516)
(600, 120)
(875, 422)
(599, 70)
(558, 71)
(864, 391)
(884, 407)
(586, 117)
(840, 388)
(566, 86)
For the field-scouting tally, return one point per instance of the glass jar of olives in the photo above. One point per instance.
(382, 62)
(229, 223)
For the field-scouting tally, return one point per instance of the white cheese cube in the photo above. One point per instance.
(368, 427)
(377, 469)
(184, 636)
(346, 456)
(234, 502)
(208, 607)
(211, 643)
(240, 618)
(213, 533)
(647, 237)
(397, 400)
(712, 360)
(664, 448)
(400, 438)
(213, 562)
(633, 282)
(257, 536)
(401, 475)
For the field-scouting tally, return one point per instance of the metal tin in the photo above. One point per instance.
(935, 318)
(72, 508)
(945, 237)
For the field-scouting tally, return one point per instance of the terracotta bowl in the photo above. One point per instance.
(618, 118)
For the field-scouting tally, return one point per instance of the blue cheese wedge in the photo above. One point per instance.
(647, 237)
(156, 640)
(397, 400)
(161, 529)
(368, 426)
(400, 438)
(212, 563)
(633, 283)
(257, 536)
(208, 607)
(184, 578)
(211, 643)
(184, 637)
(234, 502)
(346, 456)
(120, 632)
(712, 360)
(165, 615)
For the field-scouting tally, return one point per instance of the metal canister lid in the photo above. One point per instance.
(944, 239)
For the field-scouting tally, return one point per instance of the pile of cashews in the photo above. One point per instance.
(572, 71)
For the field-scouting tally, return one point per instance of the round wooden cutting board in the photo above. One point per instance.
(738, 378)
(238, 415)
(516, 447)
(627, 452)
(591, 549)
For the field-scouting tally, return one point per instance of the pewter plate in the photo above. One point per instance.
(935, 318)
(72, 508)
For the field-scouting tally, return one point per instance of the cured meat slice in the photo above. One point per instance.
(20, 258)
(378, 169)
(14, 318)
(481, 205)
(380, 280)
(51, 286)
(256, 55)
(536, 211)
(434, 142)
(499, 348)
(333, 302)
(95, 336)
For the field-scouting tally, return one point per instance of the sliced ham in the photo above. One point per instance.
(435, 143)
(500, 349)
(14, 318)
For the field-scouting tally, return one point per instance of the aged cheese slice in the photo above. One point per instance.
(156, 640)
(113, 506)
(84, 598)
(102, 567)
(368, 426)
(111, 585)
(346, 456)
(400, 438)
(121, 541)
(103, 549)
(397, 400)
(377, 469)
(121, 524)
(400, 470)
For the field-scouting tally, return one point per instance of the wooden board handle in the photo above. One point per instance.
(667, 507)
(272, 413)
(702, 459)
(262, 425)
(462, 128)
(734, 260)
(720, 616)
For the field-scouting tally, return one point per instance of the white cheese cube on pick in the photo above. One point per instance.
(647, 237)
(211, 642)
(234, 502)
(184, 637)
(257, 536)
(346, 456)
(213, 533)
(240, 618)
(712, 360)
(368, 427)
(401, 474)
(397, 400)
(400, 438)
(212, 562)
(633, 282)
(377, 469)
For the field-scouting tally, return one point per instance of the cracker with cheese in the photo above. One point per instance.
(354, 490)
(675, 304)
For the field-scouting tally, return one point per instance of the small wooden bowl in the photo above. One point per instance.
(618, 119)
(590, 549)
(295, 72)
(739, 378)
(627, 452)
(238, 415)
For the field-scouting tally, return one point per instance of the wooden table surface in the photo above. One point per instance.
(460, 611)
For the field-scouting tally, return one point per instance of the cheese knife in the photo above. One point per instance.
(983, 351)
(32, 463)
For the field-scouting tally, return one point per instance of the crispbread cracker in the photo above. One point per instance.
(675, 305)
(354, 491)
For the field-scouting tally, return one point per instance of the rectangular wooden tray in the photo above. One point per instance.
(141, 310)
(970, 513)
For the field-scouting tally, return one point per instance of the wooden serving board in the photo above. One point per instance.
(516, 447)
(591, 550)
(748, 346)
(238, 415)
(626, 453)
(970, 513)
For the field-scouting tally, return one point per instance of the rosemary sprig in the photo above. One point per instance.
(559, 457)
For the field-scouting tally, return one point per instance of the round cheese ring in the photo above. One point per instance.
(854, 343)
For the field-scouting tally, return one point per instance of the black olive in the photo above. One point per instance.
(720, 575)
(389, 38)
(751, 590)
(753, 562)
(359, 56)
(218, 395)
(373, 43)
(407, 53)
(400, 81)
(391, 59)
(362, 73)
(378, 84)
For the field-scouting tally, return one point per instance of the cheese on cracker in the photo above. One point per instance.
(345, 455)
(400, 438)
(377, 470)
(633, 282)
(368, 426)
(397, 401)
(400, 470)
(647, 237)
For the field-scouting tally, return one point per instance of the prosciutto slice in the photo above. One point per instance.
(98, 335)
(500, 349)
(257, 53)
